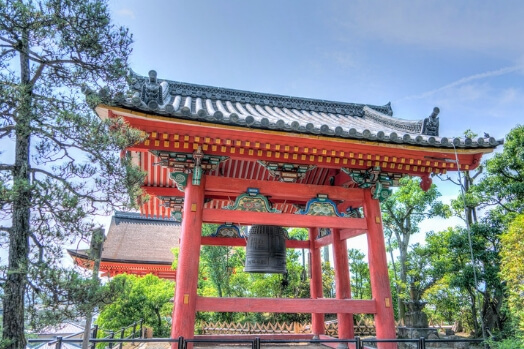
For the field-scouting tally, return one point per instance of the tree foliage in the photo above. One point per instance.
(359, 272)
(503, 187)
(451, 262)
(402, 213)
(222, 275)
(60, 163)
(146, 298)
(512, 271)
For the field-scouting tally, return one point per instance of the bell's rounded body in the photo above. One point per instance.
(266, 250)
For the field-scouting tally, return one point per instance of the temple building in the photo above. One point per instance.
(232, 157)
(136, 245)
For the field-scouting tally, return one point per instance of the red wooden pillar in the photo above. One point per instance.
(188, 258)
(317, 319)
(342, 285)
(378, 270)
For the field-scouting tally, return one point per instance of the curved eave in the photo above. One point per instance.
(159, 123)
(82, 256)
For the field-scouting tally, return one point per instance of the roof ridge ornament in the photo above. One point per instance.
(217, 105)
(431, 124)
(138, 83)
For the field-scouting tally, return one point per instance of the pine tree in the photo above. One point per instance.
(59, 164)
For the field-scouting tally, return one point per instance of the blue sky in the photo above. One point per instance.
(466, 57)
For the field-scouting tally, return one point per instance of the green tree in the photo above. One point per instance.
(359, 269)
(402, 213)
(451, 262)
(512, 271)
(146, 298)
(222, 275)
(503, 186)
(501, 191)
(61, 164)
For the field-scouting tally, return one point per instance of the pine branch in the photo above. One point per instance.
(10, 42)
(6, 130)
(67, 185)
(6, 167)
(37, 74)
(6, 52)
(39, 246)
(6, 229)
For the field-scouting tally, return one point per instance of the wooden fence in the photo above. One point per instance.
(363, 328)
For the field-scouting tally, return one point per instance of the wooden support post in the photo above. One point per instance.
(188, 258)
(342, 286)
(378, 270)
(315, 265)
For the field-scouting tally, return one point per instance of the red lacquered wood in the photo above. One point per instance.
(342, 284)
(220, 241)
(285, 305)
(187, 277)
(281, 190)
(378, 270)
(315, 284)
(350, 233)
(282, 219)
(324, 241)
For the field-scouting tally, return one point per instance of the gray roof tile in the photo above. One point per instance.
(284, 113)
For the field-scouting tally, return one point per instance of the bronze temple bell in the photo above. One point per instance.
(266, 249)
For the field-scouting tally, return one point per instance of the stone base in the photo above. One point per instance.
(416, 333)
(430, 333)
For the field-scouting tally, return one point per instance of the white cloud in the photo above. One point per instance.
(436, 24)
(343, 59)
(464, 81)
(126, 12)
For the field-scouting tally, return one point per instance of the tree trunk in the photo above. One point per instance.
(400, 305)
(474, 311)
(97, 241)
(403, 243)
(18, 260)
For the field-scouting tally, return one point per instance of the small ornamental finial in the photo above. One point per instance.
(152, 93)
(152, 76)
(431, 124)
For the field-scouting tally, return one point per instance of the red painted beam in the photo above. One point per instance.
(222, 187)
(297, 244)
(220, 241)
(286, 305)
(162, 191)
(324, 241)
(350, 233)
(282, 219)
(284, 191)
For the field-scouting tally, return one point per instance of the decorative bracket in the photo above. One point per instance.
(180, 179)
(321, 206)
(228, 230)
(285, 172)
(252, 201)
(373, 178)
(185, 163)
(176, 204)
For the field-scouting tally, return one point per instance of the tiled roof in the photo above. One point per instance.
(289, 114)
(133, 238)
